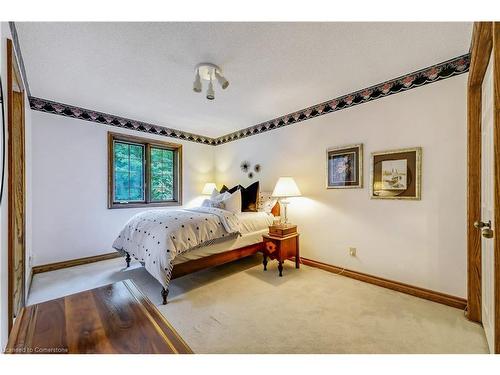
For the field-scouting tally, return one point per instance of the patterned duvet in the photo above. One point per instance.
(156, 237)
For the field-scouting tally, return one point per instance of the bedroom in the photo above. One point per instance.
(250, 187)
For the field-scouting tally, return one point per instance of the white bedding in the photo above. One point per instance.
(220, 247)
(156, 237)
(254, 221)
(161, 238)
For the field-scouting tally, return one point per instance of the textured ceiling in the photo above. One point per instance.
(144, 71)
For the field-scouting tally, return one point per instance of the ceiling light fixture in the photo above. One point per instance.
(222, 81)
(197, 82)
(210, 91)
(209, 72)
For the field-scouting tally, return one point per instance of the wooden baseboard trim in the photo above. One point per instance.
(445, 299)
(73, 262)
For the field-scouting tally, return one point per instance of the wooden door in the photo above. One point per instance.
(16, 186)
(496, 184)
(483, 176)
(487, 208)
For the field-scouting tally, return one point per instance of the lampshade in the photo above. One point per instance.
(286, 187)
(208, 188)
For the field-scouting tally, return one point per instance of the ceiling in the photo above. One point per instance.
(145, 71)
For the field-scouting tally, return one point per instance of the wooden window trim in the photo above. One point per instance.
(148, 144)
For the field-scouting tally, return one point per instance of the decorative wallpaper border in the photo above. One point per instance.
(434, 73)
(67, 110)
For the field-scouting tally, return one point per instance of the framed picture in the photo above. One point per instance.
(396, 174)
(344, 167)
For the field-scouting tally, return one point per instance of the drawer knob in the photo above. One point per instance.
(270, 247)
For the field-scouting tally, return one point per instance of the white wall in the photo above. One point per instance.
(418, 242)
(70, 214)
(423, 242)
(4, 34)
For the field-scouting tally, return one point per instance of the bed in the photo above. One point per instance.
(174, 243)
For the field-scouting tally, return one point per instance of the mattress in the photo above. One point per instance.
(252, 226)
(220, 247)
(254, 221)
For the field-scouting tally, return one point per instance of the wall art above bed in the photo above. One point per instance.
(344, 167)
(396, 174)
(246, 167)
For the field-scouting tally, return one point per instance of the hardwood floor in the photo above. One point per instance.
(113, 319)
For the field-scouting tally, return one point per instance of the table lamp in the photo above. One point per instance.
(285, 188)
(209, 188)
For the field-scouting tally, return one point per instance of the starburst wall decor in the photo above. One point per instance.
(246, 167)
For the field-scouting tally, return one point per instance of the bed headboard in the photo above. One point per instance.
(276, 209)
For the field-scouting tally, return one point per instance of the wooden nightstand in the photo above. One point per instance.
(281, 248)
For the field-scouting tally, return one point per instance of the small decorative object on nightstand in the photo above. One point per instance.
(281, 243)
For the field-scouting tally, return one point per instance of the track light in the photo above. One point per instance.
(210, 91)
(208, 72)
(222, 81)
(197, 82)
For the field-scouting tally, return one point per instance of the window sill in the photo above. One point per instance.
(144, 205)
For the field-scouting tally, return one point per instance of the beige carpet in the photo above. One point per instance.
(238, 308)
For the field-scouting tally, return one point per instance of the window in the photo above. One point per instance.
(143, 172)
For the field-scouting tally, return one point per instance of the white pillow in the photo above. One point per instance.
(206, 203)
(266, 202)
(233, 202)
(220, 197)
(216, 200)
(215, 193)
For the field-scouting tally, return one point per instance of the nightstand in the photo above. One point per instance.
(281, 248)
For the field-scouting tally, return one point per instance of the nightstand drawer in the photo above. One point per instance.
(271, 247)
(283, 248)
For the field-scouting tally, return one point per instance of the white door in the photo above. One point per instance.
(487, 207)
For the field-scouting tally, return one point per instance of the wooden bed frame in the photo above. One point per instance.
(213, 260)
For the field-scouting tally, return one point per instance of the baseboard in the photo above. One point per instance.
(431, 295)
(73, 262)
(445, 299)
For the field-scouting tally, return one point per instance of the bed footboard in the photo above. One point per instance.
(191, 266)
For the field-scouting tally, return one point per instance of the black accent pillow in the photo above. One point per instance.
(230, 191)
(249, 196)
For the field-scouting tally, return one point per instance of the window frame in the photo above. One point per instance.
(147, 144)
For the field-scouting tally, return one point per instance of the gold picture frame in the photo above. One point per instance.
(396, 174)
(354, 154)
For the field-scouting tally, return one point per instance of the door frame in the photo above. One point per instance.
(485, 39)
(13, 72)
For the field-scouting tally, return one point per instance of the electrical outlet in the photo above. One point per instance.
(352, 251)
